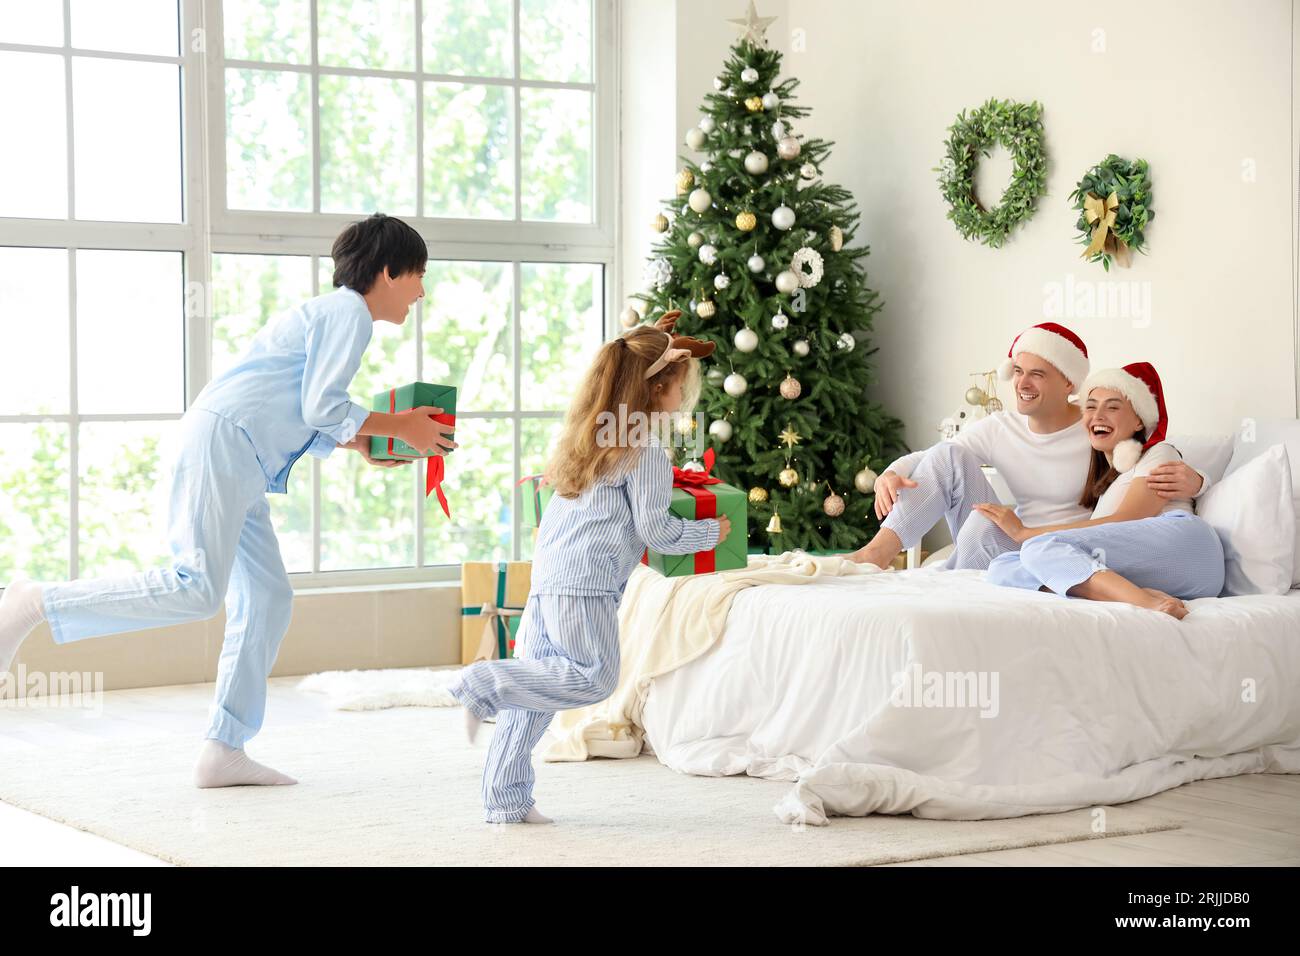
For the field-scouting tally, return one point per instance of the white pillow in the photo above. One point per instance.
(1251, 509)
(1209, 453)
(1251, 439)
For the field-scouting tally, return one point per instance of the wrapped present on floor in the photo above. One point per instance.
(535, 495)
(492, 599)
(697, 494)
(417, 395)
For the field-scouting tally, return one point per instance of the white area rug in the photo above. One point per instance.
(401, 787)
(381, 689)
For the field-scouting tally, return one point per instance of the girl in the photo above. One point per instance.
(285, 397)
(1138, 547)
(610, 504)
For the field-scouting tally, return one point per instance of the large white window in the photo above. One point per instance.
(185, 169)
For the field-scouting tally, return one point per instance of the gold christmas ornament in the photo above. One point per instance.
(993, 405)
(754, 104)
(745, 221)
(706, 309)
(685, 181)
(837, 239)
(975, 396)
(865, 481)
(659, 223)
(790, 437)
(788, 477)
(833, 505)
(774, 525)
(757, 495)
(790, 387)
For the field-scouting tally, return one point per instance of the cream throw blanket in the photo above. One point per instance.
(665, 623)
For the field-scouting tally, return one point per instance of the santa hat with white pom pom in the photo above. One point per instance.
(1053, 343)
(1140, 384)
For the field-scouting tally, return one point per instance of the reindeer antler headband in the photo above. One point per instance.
(679, 347)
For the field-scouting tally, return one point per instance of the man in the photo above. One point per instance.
(1040, 450)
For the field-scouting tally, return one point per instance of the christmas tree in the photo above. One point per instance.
(756, 252)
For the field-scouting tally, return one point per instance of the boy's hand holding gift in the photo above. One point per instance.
(415, 421)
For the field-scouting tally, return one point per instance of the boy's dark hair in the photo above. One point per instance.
(363, 249)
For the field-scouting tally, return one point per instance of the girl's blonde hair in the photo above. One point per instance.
(616, 377)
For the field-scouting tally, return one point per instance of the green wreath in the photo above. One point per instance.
(1114, 203)
(1019, 128)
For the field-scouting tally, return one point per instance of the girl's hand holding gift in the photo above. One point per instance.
(725, 528)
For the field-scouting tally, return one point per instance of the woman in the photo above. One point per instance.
(1137, 548)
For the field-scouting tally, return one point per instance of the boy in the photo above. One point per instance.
(239, 440)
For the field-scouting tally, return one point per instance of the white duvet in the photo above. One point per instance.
(1004, 702)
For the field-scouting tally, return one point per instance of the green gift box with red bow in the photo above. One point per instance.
(403, 399)
(697, 494)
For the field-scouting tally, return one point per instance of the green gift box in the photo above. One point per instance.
(404, 399)
(535, 495)
(693, 498)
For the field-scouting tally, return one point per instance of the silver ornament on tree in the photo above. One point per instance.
(721, 282)
(808, 171)
(695, 137)
(846, 342)
(706, 124)
(708, 254)
(719, 84)
(800, 348)
(714, 376)
(786, 281)
(749, 75)
(755, 162)
(694, 240)
(700, 200)
(865, 481)
(756, 263)
(787, 147)
(783, 217)
(771, 101)
(629, 317)
(721, 430)
(780, 321)
(746, 340)
(780, 130)
(735, 385)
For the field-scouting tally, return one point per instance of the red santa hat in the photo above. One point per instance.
(1053, 343)
(1140, 384)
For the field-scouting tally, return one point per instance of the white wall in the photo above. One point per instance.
(1197, 87)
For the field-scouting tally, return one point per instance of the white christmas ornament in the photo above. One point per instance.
(706, 124)
(771, 101)
(694, 240)
(746, 340)
(779, 321)
(630, 317)
(720, 282)
(786, 281)
(748, 74)
(658, 272)
(808, 266)
(756, 263)
(735, 385)
(801, 348)
(756, 163)
(695, 137)
(708, 254)
(846, 342)
(808, 171)
(787, 147)
(721, 430)
(718, 84)
(705, 166)
(780, 130)
(782, 217)
(699, 200)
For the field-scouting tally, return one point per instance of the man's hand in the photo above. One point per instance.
(361, 445)
(1174, 479)
(724, 529)
(887, 488)
(425, 435)
(1005, 517)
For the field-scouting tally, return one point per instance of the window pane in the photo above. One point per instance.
(468, 161)
(34, 311)
(367, 145)
(556, 154)
(124, 472)
(468, 341)
(34, 179)
(130, 325)
(367, 513)
(38, 22)
(247, 292)
(126, 26)
(275, 31)
(34, 501)
(561, 306)
(291, 518)
(479, 492)
(555, 40)
(537, 436)
(128, 161)
(468, 37)
(268, 140)
(367, 34)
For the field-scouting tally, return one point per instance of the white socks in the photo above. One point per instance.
(223, 766)
(20, 611)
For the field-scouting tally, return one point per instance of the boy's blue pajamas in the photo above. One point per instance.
(239, 440)
(587, 548)
(1175, 552)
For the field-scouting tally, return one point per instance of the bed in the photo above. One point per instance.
(934, 693)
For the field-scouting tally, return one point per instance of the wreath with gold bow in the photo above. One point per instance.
(1114, 203)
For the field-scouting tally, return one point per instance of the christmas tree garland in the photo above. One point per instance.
(1019, 128)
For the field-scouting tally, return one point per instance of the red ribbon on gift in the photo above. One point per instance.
(706, 506)
(435, 469)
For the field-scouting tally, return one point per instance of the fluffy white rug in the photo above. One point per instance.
(381, 689)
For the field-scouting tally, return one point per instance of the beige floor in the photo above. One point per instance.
(1251, 820)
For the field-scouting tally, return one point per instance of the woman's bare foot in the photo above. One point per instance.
(1165, 603)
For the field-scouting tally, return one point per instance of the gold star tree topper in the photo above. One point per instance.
(754, 27)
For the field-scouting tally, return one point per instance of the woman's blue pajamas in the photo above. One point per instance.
(1175, 552)
(587, 548)
(287, 396)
